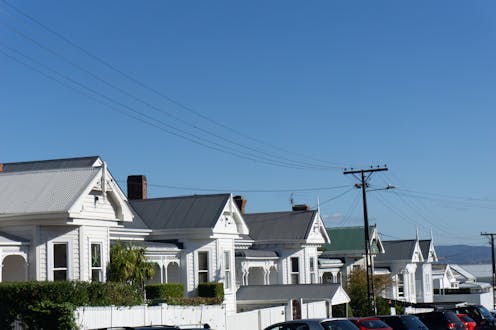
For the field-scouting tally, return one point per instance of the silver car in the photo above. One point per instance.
(314, 324)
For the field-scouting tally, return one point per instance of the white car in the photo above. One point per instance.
(314, 324)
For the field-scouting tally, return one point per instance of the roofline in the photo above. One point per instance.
(175, 197)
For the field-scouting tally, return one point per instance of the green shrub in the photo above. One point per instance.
(36, 302)
(194, 301)
(164, 290)
(211, 290)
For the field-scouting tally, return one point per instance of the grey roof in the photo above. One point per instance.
(251, 253)
(284, 292)
(7, 239)
(397, 250)
(197, 211)
(51, 164)
(425, 245)
(280, 225)
(42, 192)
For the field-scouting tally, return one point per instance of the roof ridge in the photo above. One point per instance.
(50, 160)
(177, 197)
(70, 169)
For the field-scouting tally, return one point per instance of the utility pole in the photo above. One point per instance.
(492, 261)
(368, 262)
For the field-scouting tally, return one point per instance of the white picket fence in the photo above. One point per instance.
(215, 315)
(112, 316)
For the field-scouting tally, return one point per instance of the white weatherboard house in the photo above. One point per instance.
(56, 217)
(410, 265)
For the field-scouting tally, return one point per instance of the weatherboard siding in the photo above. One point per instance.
(95, 206)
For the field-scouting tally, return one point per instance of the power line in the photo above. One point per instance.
(147, 87)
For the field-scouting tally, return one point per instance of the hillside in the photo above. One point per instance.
(464, 254)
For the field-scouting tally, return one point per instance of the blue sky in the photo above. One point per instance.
(268, 99)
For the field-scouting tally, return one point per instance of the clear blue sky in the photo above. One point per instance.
(269, 99)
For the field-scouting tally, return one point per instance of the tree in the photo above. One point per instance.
(128, 264)
(357, 290)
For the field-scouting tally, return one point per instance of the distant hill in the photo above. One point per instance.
(463, 254)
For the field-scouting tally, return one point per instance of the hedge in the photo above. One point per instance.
(51, 305)
(164, 290)
(211, 290)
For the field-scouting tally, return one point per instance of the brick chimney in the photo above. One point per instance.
(1, 167)
(240, 202)
(301, 207)
(136, 187)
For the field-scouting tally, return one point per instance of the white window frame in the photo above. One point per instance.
(67, 267)
(227, 270)
(102, 262)
(313, 278)
(206, 271)
(400, 285)
(294, 275)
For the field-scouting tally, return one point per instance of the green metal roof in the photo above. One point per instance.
(349, 239)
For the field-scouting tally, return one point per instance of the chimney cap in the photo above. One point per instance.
(301, 207)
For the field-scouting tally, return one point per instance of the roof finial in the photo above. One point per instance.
(318, 203)
(417, 234)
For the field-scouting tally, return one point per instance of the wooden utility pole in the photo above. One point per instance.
(368, 262)
(492, 261)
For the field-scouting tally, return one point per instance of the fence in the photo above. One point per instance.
(112, 316)
(215, 315)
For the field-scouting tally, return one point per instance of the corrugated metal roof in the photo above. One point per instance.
(197, 211)
(348, 239)
(41, 192)
(51, 164)
(289, 225)
(284, 292)
(251, 253)
(397, 250)
(425, 246)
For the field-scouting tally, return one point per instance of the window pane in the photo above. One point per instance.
(294, 265)
(59, 275)
(96, 256)
(203, 260)
(311, 265)
(60, 255)
(202, 277)
(95, 275)
(227, 260)
(295, 279)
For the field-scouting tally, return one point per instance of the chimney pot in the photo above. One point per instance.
(136, 187)
(301, 207)
(240, 202)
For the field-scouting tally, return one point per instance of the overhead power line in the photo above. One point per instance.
(323, 165)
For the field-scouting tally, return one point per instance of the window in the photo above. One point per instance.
(202, 267)
(96, 262)
(312, 270)
(227, 269)
(401, 286)
(60, 261)
(295, 270)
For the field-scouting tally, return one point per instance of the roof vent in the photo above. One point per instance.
(301, 207)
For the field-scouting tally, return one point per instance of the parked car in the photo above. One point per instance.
(403, 322)
(468, 321)
(479, 314)
(369, 323)
(441, 320)
(314, 324)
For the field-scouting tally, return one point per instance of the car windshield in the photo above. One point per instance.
(412, 322)
(373, 324)
(339, 325)
(483, 310)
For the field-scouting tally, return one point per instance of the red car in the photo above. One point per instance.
(467, 321)
(370, 323)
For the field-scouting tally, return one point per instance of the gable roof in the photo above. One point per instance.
(270, 226)
(51, 164)
(397, 250)
(196, 211)
(42, 191)
(351, 240)
(425, 247)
